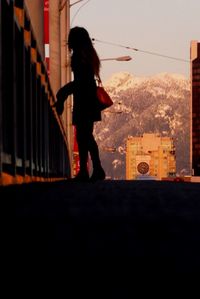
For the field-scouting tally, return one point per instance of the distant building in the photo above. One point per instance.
(195, 108)
(150, 157)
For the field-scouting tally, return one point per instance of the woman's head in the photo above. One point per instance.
(79, 38)
(80, 43)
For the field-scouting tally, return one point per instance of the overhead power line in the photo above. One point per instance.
(139, 50)
(78, 11)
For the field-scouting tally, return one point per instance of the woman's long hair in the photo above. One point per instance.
(80, 42)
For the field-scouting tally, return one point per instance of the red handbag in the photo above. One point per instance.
(105, 100)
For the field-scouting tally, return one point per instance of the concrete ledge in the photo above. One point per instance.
(195, 179)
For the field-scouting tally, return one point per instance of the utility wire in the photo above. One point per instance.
(139, 50)
(78, 12)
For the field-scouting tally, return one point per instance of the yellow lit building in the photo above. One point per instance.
(150, 156)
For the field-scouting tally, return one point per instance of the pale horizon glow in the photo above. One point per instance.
(158, 26)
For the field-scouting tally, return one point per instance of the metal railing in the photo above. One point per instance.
(33, 143)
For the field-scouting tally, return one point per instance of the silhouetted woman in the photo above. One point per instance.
(85, 66)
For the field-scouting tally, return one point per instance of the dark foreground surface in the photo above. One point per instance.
(122, 229)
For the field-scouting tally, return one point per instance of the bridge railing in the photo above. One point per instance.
(33, 142)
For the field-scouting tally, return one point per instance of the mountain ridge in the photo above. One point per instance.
(154, 104)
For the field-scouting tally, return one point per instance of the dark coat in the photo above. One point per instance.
(83, 87)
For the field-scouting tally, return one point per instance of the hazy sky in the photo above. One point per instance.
(165, 27)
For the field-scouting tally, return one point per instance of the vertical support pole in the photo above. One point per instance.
(46, 136)
(46, 33)
(14, 124)
(190, 106)
(1, 124)
(66, 76)
(30, 70)
(69, 101)
(23, 115)
(63, 66)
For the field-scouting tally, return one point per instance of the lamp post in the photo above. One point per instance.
(69, 127)
(121, 58)
(68, 73)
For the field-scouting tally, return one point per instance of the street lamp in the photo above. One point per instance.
(121, 58)
(70, 128)
(68, 2)
(75, 2)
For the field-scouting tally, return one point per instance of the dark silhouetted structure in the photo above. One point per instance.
(195, 106)
(33, 143)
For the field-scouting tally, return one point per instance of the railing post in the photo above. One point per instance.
(20, 90)
(33, 142)
(1, 121)
(24, 161)
(28, 98)
(14, 99)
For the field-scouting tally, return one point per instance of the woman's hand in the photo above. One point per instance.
(61, 96)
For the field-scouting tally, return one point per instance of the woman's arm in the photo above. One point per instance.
(65, 91)
(62, 95)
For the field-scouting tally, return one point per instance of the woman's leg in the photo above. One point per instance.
(87, 143)
(98, 172)
(82, 141)
(93, 149)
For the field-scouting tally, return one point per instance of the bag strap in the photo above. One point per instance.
(98, 79)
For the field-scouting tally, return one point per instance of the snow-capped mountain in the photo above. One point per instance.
(157, 104)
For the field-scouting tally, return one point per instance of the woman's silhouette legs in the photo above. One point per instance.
(87, 143)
